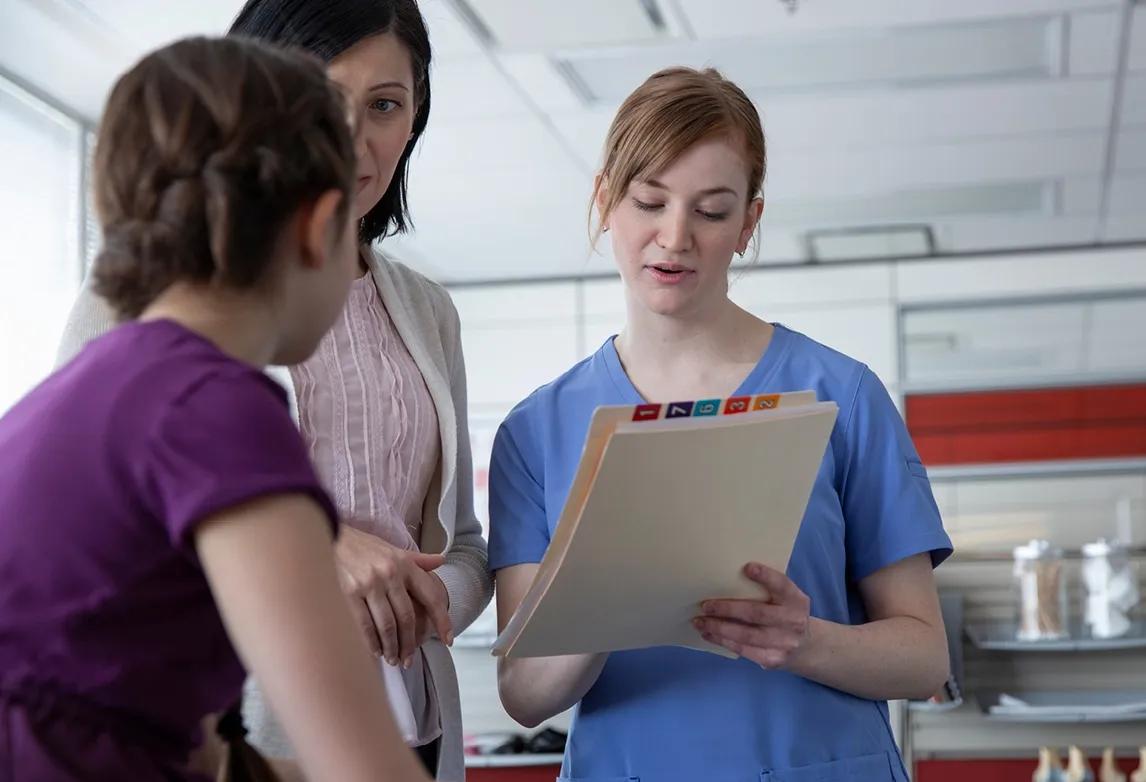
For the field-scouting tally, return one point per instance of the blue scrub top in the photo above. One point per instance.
(666, 714)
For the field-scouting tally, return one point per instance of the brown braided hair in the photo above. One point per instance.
(206, 149)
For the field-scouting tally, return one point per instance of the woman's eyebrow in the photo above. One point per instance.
(384, 84)
(708, 192)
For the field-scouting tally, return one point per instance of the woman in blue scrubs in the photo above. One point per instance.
(854, 622)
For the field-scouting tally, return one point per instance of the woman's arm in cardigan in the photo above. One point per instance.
(90, 317)
(466, 570)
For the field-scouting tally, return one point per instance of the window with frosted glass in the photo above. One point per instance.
(40, 233)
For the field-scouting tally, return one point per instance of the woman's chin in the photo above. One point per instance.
(364, 201)
(668, 303)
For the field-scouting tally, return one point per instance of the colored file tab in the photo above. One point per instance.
(647, 412)
(679, 410)
(706, 407)
(765, 401)
(737, 404)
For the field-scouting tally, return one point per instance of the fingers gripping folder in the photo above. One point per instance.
(668, 503)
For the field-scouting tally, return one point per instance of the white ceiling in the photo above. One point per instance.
(988, 122)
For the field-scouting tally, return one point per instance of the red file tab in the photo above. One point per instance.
(647, 412)
(737, 404)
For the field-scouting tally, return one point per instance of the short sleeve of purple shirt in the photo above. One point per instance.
(227, 440)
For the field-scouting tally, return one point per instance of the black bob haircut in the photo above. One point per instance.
(327, 28)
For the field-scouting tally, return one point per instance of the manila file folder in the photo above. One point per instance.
(668, 504)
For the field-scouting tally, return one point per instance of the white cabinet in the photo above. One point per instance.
(515, 338)
(1032, 343)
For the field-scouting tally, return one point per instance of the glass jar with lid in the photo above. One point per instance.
(1040, 592)
(1110, 588)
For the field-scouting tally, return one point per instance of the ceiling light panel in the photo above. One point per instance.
(962, 111)
(534, 25)
(866, 243)
(1026, 48)
(739, 18)
(1026, 198)
(890, 168)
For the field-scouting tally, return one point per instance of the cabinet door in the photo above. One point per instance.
(1031, 343)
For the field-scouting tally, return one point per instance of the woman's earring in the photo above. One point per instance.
(740, 253)
(604, 229)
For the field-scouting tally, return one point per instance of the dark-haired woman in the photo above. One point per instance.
(382, 403)
(161, 527)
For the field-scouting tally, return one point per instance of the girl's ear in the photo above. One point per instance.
(318, 222)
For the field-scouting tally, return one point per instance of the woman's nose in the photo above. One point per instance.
(674, 234)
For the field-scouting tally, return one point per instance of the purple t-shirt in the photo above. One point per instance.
(111, 647)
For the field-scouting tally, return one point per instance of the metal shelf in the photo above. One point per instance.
(1069, 707)
(927, 707)
(1047, 469)
(1071, 719)
(1000, 636)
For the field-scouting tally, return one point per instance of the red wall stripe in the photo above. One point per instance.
(995, 770)
(1029, 424)
(513, 774)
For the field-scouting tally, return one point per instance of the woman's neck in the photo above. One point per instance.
(242, 325)
(703, 353)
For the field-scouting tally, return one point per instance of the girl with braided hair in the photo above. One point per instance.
(161, 527)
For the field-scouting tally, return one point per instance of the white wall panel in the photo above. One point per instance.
(1036, 274)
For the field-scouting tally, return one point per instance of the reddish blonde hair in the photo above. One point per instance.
(674, 109)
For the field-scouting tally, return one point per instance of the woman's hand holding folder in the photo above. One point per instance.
(769, 631)
(900, 651)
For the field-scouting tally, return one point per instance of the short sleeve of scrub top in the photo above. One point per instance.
(517, 501)
(886, 496)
